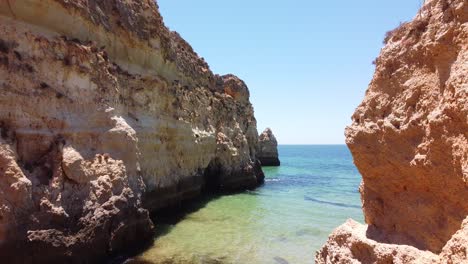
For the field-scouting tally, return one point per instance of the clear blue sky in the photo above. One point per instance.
(307, 63)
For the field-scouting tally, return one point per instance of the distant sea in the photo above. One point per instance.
(284, 221)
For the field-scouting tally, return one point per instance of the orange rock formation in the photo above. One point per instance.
(409, 140)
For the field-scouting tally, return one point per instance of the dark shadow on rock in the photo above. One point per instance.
(375, 234)
(380, 236)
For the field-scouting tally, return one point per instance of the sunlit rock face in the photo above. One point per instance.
(268, 149)
(106, 115)
(409, 138)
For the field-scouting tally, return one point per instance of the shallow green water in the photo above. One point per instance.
(284, 221)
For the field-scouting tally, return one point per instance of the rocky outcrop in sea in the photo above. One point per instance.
(105, 117)
(268, 149)
(409, 140)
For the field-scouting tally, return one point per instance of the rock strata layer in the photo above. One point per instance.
(409, 140)
(105, 116)
(268, 149)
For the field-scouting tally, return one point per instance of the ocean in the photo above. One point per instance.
(284, 221)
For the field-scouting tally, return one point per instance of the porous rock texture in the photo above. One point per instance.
(353, 243)
(268, 149)
(105, 116)
(409, 140)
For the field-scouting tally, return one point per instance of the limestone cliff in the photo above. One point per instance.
(268, 149)
(106, 115)
(409, 140)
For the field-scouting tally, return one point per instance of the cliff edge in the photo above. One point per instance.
(409, 140)
(106, 116)
(268, 148)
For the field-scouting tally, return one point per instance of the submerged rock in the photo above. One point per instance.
(280, 260)
(409, 141)
(268, 149)
(106, 116)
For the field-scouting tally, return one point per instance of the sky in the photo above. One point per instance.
(307, 63)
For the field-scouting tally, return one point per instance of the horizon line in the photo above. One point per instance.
(313, 144)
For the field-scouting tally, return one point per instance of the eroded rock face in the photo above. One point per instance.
(409, 137)
(106, 115)
(352, 243)
(268, 149)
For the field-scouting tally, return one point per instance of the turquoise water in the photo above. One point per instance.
(284, 221)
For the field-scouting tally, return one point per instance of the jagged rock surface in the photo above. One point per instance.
(104, 115)
(352, 243)
(268, 149)
(409, 139)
